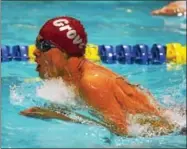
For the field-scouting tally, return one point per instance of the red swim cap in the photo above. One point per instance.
(66, 32)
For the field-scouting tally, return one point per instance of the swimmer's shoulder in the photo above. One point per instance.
(94, 69)
(95, 81)
(96, 76)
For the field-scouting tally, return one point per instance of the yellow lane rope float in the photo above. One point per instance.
(176, 53)
(31, 49)
(92, 53)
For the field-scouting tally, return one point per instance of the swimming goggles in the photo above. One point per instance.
(44, 45)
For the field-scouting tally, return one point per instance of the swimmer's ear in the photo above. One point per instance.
(66, 56)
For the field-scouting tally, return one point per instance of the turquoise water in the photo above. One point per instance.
(106, 23)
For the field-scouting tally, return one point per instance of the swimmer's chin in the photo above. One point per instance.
(43, 75)
(46, 76)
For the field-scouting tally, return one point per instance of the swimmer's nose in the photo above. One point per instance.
(36, 53)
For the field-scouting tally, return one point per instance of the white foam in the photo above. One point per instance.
(137, 129)
(175, 114)
(175, 117)
(56, 91)
(167, 100)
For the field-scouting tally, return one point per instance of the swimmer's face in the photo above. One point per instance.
(50, 61)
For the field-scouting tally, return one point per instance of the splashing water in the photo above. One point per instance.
(56, 91)
(176, 114)
(176, 117)
(135, 129)
(16, 98)
(23, 95)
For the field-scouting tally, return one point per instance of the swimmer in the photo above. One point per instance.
(60, 48)
(172, 9)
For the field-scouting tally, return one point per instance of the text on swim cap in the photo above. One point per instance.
(71, 34)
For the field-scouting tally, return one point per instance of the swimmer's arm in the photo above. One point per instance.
(172, 8)
(44, 113)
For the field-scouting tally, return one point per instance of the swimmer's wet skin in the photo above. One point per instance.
(172, 9)
(60, 48)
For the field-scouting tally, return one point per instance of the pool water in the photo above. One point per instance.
(106, 23)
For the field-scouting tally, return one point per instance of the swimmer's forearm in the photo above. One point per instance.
(42, 113)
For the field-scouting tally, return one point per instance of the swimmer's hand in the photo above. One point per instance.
(37, 112)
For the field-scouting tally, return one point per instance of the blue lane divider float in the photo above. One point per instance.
(5, 54)
(158, 54)
(123, 54)
(107, 54)
(17, 52)
(140, 54)
(137, 54)
(20, 53)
